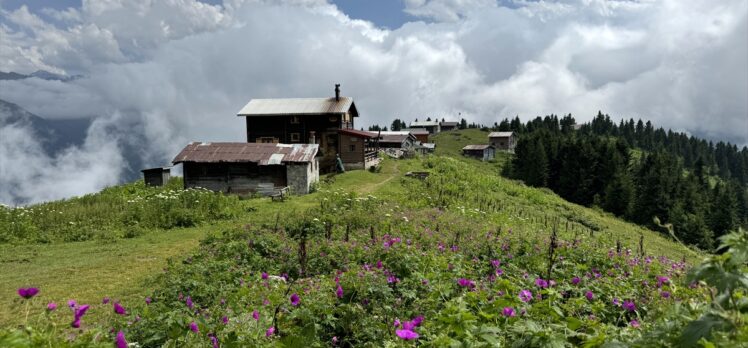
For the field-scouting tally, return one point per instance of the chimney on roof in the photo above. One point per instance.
(337, 92)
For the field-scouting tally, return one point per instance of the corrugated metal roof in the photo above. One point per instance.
(394, 138)
(262, 154)
(416, 131)
(358, 133)
(297, 106)
(476, 147)
(424, 124)
(500, 134)
(449, 123)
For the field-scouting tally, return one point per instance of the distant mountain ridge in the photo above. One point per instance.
(55, 135)
(41, 74)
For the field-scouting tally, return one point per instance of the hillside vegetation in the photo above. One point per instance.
(462, 258)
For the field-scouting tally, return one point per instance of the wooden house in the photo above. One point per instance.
(158, 176)
(481, 152)
(421, 134)
(397, 140)
(446, 126)
(358, 149)
(243, 168)
(503, 140)
(431, 126)
(302, 121)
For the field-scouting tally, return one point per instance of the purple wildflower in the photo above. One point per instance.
(148, 300)
(214, 341)
(119, 309)
(379, 264)
(575, 280)
(264, 275)
(406, 334)
(121, 341)
(295, 300)
(27, 293)
(540, 282)
(629, 306)
(194, 328)
(51, 306)
(665, 294)
(255, 315)
(189, 303)
(634, 324)
(508, 312)
(616, 301)
(339, 292)
(225, 319)
(417, 320)
(72, 304)
(105, 300)
(589, 295)
(270, 331)
(466, 283)
(525, 295)
(76, 323)
(397, 323)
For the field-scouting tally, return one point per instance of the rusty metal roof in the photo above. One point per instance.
(358, 133)
(500, 134)
(476, 147)
(298, 106)
(262, 154)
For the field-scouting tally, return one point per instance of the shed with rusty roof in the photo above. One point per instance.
(481, 152)
(249, 167)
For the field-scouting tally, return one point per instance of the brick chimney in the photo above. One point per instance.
(337, 92)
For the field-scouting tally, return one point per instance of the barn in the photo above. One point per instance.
(503, 140)
(244, 168)
(158, 176)
(481, 152)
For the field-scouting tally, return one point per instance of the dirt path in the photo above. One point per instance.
(373, 187)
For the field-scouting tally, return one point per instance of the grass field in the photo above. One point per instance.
(122, 268)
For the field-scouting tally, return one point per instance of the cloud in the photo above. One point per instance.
(161, 74)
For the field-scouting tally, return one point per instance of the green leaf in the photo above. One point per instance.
(700, 328)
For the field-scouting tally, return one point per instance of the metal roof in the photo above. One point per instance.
(424, 124)
(167, 168)
(394, 138)
(500, 134)
(358, 133)
(416, 131)
(298, 106)
(449, 123)
(262, 154)
(476, 147)
(429, 145)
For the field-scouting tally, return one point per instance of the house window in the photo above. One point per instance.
(295, 120)
(352, 148)
(295, 137)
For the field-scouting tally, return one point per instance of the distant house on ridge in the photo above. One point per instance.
(503, 140)
(481, 152)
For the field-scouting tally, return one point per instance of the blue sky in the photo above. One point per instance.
(383, 13)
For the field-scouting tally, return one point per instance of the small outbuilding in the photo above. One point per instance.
(503, 140)
(481, 152)
(432, 126)
(421, 134)
(448, 125)
(243, 168)
(358, 149)
(158, 176)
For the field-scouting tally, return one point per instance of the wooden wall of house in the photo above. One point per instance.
(355, 155)
(234, 177)
(155, 177)
(283, 128)
(424, 138)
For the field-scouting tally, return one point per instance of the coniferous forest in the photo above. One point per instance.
(691, 188)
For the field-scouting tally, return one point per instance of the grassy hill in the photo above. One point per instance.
(366, 249)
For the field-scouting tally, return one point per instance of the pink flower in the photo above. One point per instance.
(270, 331)
(665, 294)
(264, 275)
(105, 300)
(634, 324)
(466, 283)
(540, 282)
(629, 306)
(147, 300)
(27, 293)
(72, 304)
(194, 328)
(225, 319)
(339, 292)
(397, 322)
(255, 315)
(406, 334)
(189, 303)
(575, 280)
(51, 306)
(295, 300)
(120, 341)
(508, 312)
(119, 309)
(589, 295)
(525, 295)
